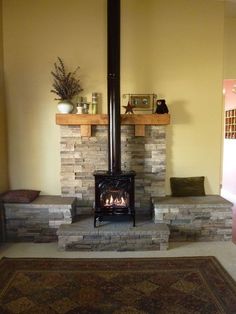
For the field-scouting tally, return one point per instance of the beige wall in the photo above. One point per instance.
(230, 48)
(3, 134)
(35, 33)
(172, 48)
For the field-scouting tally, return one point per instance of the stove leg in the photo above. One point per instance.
(95, 220)
(133, 220)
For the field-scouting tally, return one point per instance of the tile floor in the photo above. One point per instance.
(224, 251)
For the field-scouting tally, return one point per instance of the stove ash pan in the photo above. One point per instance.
(114, 195)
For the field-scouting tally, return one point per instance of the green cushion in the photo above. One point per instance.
(189, 186)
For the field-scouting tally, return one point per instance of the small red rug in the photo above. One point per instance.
(137, 286)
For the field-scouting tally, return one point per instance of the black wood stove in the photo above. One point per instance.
(114, 195)
(114, 189)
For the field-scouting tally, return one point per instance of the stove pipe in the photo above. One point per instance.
(113, 85)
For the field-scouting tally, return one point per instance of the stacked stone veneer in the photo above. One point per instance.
(119, 236)
(38, 221)
(201, 218)
(81, 156)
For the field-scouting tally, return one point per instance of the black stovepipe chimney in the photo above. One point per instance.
(113, 85)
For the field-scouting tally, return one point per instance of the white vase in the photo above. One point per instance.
(65, 106)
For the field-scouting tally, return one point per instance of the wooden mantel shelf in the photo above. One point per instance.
(86, 120)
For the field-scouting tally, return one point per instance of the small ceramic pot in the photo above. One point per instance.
(65, 106)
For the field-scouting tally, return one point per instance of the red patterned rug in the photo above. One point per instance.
(137, 286)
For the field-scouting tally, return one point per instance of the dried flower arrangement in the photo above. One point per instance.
(65, 84)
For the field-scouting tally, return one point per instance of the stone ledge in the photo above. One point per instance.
(198, 218)
(186, 201)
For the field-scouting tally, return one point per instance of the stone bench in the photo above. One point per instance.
(195, 218)
(39, 220)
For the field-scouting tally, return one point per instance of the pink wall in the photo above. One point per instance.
(230, 97)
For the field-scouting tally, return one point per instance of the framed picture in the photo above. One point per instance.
(143, 103)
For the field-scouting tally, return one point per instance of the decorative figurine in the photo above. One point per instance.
(161, 106)
(79, 108)
(129, 108)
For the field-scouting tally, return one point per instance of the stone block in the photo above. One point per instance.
(170, 216)
(160, 210)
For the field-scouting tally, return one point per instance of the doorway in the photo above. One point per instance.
(228, 189)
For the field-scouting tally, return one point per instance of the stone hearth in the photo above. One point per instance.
(113, 236)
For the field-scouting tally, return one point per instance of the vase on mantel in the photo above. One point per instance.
(65, 106)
